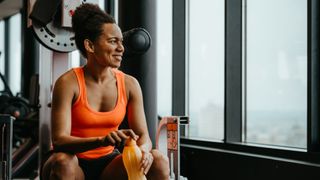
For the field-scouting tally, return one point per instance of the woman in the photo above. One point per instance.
(90, 102)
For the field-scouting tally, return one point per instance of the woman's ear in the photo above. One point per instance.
(88, 45)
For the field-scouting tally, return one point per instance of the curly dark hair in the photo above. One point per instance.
(87, 22)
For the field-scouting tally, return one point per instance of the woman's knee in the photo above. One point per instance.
(60, 164)
(64, 160)
(160, 165)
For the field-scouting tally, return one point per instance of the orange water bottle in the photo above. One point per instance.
(131, 157)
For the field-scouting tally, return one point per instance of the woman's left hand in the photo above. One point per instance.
(146, 161)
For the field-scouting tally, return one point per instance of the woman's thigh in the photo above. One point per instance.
(115, 170)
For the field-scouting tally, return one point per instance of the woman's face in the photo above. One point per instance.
(108, 48)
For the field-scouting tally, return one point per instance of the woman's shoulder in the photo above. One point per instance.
(70, 74)
(129, 80)
(132, 84)
(67, 78)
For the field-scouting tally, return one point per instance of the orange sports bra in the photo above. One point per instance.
(87, 122)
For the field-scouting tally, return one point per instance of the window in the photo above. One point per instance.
(75, 59)
(276, 72)
(101, 3)
(15, 53)
(271, 80)
(164, 57)
(206, 69)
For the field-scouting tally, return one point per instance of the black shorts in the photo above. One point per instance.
(93, 168)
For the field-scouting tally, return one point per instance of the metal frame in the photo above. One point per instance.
(313, 130)
(6, 123)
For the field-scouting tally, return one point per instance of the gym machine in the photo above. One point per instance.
(168, 142)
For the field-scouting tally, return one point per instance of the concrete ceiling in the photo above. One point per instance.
(9, 7)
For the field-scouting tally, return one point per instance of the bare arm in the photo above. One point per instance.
(137, 122)
(136, 115)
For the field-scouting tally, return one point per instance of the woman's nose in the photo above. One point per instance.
(120, 47)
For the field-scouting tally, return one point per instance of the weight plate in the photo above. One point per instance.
(57, 39)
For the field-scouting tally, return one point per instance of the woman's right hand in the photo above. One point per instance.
(115, 138)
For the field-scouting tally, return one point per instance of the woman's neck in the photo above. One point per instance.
(99, 74)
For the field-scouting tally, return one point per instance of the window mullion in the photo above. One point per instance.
(233, 65)
(179, 58)
(313, 76)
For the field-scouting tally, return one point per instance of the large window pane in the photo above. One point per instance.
(276, 72)
(206, 69)
(164, 57)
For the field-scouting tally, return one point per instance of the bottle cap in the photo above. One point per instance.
(131, 142)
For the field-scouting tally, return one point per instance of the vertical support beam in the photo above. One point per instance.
(313, 143)
(30, 63)
(61, 64)
(233, 54)
(109, 7)
(142, 13)
(52, 65)
(29, 48)
(179, 58)
(45, 81)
